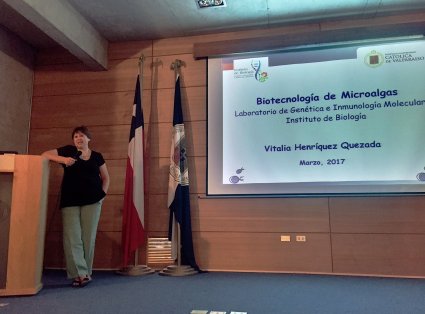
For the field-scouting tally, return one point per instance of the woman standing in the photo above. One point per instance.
(84, 186)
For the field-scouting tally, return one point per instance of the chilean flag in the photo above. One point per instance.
(133, 233)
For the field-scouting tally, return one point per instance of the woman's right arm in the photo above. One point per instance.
(53, 155)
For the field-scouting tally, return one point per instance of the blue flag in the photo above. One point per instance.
(178, 185)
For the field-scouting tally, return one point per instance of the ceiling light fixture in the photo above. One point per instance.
(210, 3)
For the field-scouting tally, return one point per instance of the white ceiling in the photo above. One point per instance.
(84, 27)
(123, 20)
(119, 20)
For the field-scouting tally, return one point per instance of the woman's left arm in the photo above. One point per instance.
(104, 175)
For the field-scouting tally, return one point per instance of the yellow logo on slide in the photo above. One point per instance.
(374, 59)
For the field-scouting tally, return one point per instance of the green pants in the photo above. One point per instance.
(79, 237)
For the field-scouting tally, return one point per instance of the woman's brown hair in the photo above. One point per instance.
(81, 129)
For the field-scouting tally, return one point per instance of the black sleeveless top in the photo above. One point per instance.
(82, 184)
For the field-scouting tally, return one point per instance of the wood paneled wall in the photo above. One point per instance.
(16, 70)
(351, 235)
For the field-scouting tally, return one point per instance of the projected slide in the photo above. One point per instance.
(340, 120)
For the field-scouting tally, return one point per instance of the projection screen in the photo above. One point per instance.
(337, 119)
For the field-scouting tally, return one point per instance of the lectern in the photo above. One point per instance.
(23, 206)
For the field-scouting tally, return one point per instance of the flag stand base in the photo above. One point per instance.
(178, 270)
(137, 270)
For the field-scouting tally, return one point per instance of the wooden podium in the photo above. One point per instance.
(23, 206)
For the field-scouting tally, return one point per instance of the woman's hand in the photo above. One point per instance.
(104, 175)
(53, 156)
(69, 161)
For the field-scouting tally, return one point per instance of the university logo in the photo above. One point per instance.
(251, 68)
(259, 75)
(374, 59)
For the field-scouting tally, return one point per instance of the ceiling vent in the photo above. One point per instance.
(211, 3)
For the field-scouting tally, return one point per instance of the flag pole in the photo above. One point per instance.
(179, 269)
(137, 270)
(176, 67)
(140, 65)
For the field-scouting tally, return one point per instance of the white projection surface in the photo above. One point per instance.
(330, 120)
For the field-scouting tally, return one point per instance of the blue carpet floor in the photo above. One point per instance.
(253, 293)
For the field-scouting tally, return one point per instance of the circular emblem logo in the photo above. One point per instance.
(374, 59)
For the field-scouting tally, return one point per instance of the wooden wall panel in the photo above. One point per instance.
(260, 214)
(242, 214)
(193, 98)
(55, 180)
(397, 214)
(108, 251)
(16, 89)
(53, 250)
(46, 139)
(111, 216)
(159, 168)
(129, 50)
(158, 213)
(197, 175)
(193, 72)
(113, 108)
(116, 170)
(71, 79)
(173, 46)
(379, 254)
(53, 219)
(160, 134)
(237, 251)
(196, 138)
